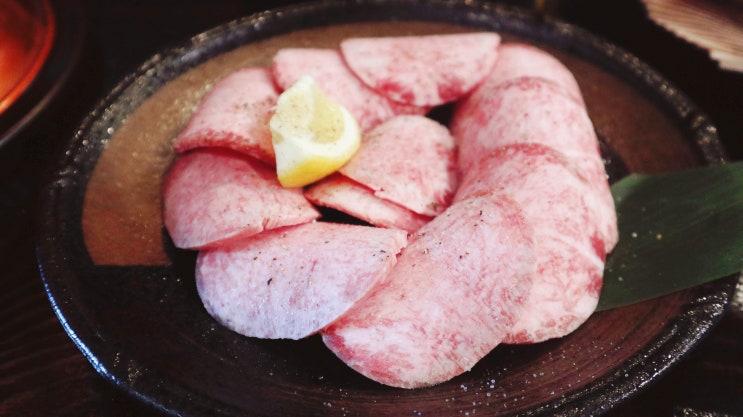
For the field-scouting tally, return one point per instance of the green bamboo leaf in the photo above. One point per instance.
(676, 230)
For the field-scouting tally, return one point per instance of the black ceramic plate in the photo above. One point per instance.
(128, 300)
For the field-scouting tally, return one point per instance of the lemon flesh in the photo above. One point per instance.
(312, 134)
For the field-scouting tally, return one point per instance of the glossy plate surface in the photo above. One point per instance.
(128, 300)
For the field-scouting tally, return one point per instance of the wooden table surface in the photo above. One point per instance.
(42, 373)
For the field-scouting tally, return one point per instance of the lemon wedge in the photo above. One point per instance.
(312, 135)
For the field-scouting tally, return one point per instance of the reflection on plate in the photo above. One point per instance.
(128, 299)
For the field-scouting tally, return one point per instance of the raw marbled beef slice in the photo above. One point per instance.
(532, 110)
(234, 114)
(455, 291)
(565, 294)
(331, 74)
(568, 224)
(427, 70)
(289, 283)
(409, 160)
(214, 195)
(345, 195)
(516, 60)
(523, 110)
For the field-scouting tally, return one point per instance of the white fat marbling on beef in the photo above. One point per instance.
(568, 224)
(517, 60)
(345, 195)
(289, 283)
(456, 290)
(422, 70)
(234, 114)
(533, 110)
(327, 68)
(213, 195)
(409, 160)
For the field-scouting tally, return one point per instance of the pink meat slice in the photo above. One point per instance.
(289, 283)
(532, 110)
(345, 195)
(516, 60)
(456, 290)
(523, 110)
(327, 68)
(234, 114)
(409, 160)
(567, 223)
(427, 70)
(214, 195)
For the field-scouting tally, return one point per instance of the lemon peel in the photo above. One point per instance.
(312, 134)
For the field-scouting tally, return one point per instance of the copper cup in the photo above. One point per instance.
(27, 30)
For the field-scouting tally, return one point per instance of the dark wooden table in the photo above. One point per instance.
(42, 373)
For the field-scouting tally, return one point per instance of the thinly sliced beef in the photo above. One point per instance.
(522, 110)
(345, 195)
(514, 255)
(532, 110)
(427, 70)
(454, 293)
(327, 68)
(214, 195)
(409, 160)
(568, 224)
(234, 114)
(289, 283)
(516, 60)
